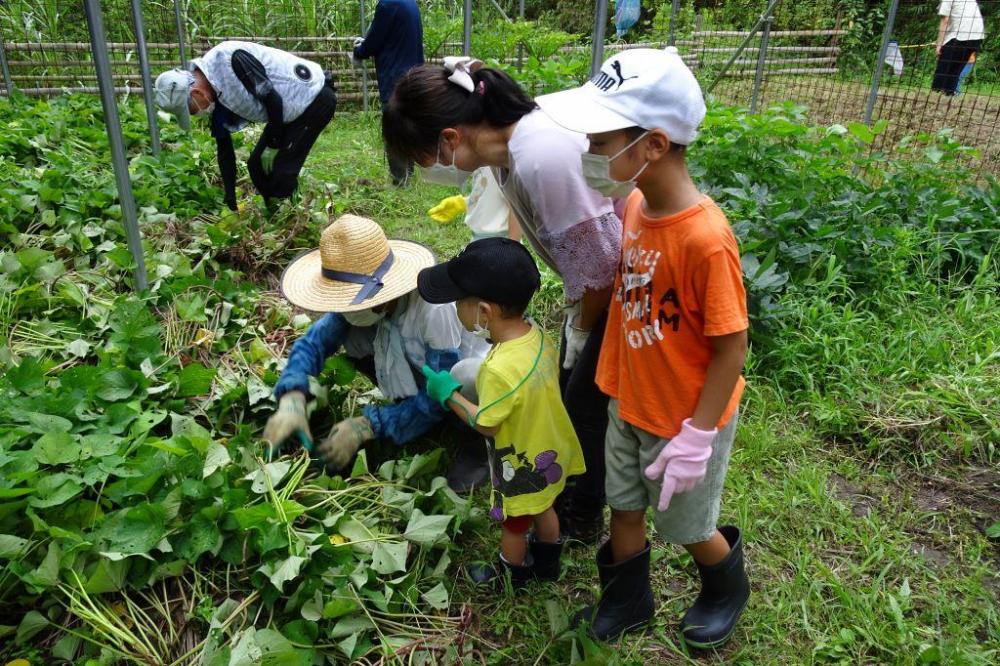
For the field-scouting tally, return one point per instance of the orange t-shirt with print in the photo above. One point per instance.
(679, 282)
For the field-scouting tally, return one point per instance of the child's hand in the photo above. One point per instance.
(683, 462)
(448, 209)
(440, 385)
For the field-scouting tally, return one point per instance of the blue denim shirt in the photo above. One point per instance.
(400, 422)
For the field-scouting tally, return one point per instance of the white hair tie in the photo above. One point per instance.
(461, 68)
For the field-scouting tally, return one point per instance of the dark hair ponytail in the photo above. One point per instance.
(425, 102)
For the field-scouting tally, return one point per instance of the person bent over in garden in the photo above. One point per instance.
(237, 83)
(533, 447)
(368, 285)
(676, 341)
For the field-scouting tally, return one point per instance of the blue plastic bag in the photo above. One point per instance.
(626, 15)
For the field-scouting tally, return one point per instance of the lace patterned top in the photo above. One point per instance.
(573, 228)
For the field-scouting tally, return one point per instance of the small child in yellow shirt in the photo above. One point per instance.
(532, 447)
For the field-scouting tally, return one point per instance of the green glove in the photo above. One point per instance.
(267, 159)
(440, 385)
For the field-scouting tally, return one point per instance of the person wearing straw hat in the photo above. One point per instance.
(368, 286)
(237, 83)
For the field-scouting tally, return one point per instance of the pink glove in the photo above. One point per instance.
(682, 462)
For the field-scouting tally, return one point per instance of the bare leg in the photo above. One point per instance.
(513, 547)
(709, 552)
(628, 534)
(547, 526)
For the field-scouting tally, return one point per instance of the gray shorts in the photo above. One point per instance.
(691, 516)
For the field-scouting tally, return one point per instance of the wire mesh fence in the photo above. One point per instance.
(846, 61)
(881, 66)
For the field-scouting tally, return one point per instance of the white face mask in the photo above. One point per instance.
(478, 329)
(597, 173)
(443, 174)
(207, 111)
(364, 318)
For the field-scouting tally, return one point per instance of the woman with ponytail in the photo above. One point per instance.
(455, 118)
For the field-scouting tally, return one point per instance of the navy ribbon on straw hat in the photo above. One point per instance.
(372, 283)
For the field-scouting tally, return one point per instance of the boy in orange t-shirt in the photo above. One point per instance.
(674, 348)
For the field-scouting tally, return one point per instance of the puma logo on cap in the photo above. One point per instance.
(605, 82)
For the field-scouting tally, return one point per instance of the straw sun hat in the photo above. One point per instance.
(355, 268)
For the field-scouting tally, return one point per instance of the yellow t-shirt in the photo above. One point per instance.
(535, 448)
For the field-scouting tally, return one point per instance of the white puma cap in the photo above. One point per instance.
(647, 88)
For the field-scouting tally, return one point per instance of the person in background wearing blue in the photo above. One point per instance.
(367, 285)
(237, 83)
(395, 40)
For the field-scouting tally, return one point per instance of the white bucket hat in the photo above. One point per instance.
(173, 90)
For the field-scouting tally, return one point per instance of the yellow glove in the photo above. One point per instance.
(448, 209)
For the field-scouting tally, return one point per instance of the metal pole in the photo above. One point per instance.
(147, 80)
(674, 8)
(467, 27)
(102, 66)
(184, 118)
(890, 20)
(7, 81)
(500, 9)
(743, 45)
(600, 25)
(364, 63)
(758, 76)
(520, 45)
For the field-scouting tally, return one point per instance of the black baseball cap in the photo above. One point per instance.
(498, 270)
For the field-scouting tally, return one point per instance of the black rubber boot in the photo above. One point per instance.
(724, 593)
(626, 601)
(470, 468)
(580, 518)
(486, 574)
(547, 557)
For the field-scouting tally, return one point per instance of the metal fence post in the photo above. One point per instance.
(743, 45)
(758, 76)
(520, 45)
(467, 28)
(600, 25)
(674, 8)
(147, 80)
(102, 66)
(7, 81)
(184, 118)
(890, 19)
(364, 63)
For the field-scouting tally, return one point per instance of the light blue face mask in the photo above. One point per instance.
(597, 173)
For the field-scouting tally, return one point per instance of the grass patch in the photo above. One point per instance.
(864, 474)
(852, 559)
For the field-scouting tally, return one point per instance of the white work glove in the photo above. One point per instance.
(576, 338)
(358, 41)
(344, 441)
(289, 418)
